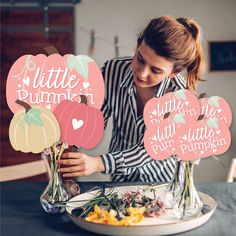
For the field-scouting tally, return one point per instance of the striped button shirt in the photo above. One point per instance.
(127, 159)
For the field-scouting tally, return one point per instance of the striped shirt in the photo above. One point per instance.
(127, 159)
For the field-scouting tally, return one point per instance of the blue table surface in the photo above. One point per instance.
(22, 214)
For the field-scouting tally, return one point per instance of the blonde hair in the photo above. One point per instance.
(180, 41)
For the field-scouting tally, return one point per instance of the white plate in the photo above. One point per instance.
(149, 226)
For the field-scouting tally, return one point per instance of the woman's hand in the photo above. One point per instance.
(76, 164)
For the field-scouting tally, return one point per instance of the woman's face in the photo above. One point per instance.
(148, 68)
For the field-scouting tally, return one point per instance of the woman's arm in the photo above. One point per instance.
(120, 163)
(79, 164)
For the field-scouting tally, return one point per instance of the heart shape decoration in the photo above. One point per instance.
(86, 84)
(26, 81)
(77, 123)
(48, 106)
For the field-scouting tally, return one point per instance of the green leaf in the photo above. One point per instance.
(179, 118)
(212, 122)
(79, 63)
(33, 117)
(180, 94)
(214, 101)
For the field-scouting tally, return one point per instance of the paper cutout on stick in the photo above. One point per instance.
(181, 101)
(184, 134)
(46, 80)
(203, 138)
(77, 123)
(159, 140)
(32, 129)
(81, 125)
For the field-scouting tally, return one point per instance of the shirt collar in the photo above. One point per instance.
(128, 78)
(162, 87)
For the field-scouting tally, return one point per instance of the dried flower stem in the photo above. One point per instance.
(50, 153)
(55, 165)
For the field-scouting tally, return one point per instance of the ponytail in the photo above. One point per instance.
(180, 41)
(196, 68)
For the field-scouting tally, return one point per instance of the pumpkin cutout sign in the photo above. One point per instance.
(159, 141)
(33, 129)
(186, 134)
(181, 101)
(202, 138)
(47, 80)
(80, 124)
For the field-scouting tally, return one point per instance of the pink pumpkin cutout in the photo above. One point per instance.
(203, 138)
(216, 106)
(181, 101)
(81, 125)
(159, 140)
(47, 80)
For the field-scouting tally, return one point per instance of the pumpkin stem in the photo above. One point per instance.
(202, 95)
(200, 117)
(23, 104)
(166, 115)
(83, 99)
(51, 50)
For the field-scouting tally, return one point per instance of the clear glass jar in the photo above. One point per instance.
(55, 192)
(181, 195)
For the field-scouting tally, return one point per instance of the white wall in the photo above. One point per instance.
(126, 18)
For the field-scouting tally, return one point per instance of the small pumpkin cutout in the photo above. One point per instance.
(81, 125)
(33, 129)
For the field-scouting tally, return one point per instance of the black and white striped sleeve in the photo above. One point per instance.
(106, 108)
(124, 162)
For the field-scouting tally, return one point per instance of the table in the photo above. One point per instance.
(22, 214)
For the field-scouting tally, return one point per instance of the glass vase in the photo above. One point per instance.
(55, 193)
(181, 195)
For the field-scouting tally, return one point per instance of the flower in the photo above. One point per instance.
(130, 196)
(155, 208)
(136, 216)
(97, 216)
(104, 217)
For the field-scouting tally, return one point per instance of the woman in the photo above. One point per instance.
(166, 47)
